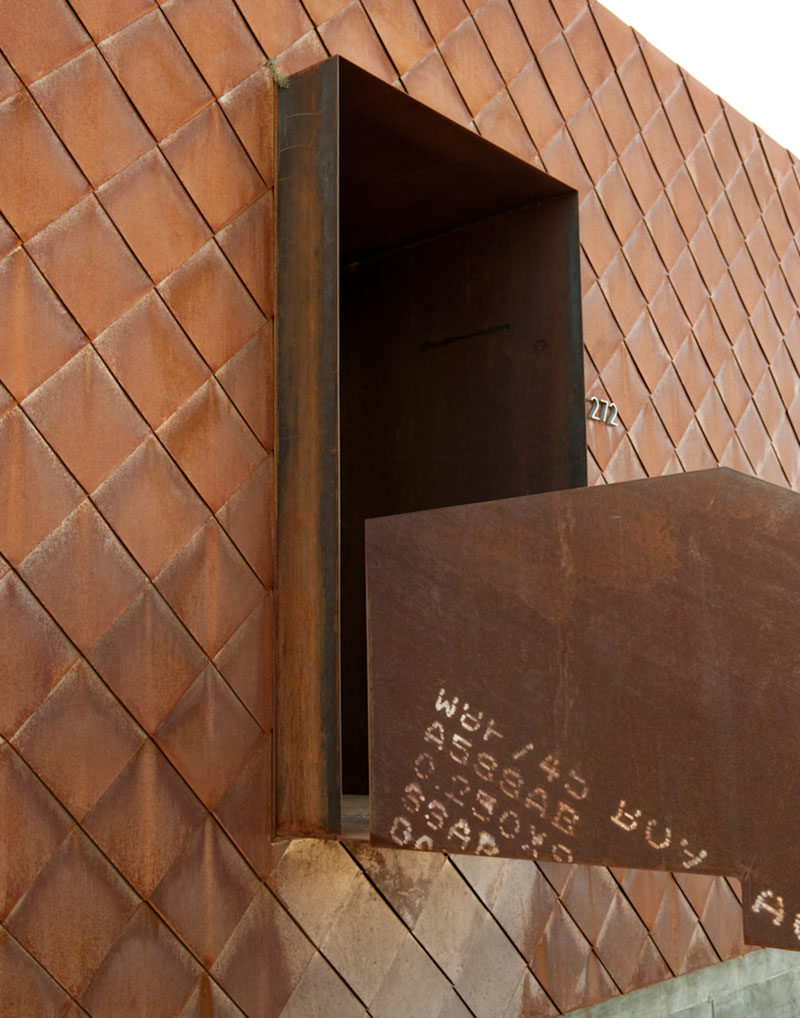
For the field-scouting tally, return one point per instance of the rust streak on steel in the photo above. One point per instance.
(307, 690)
(604, 675)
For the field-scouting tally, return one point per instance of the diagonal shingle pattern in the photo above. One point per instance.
(137, 485)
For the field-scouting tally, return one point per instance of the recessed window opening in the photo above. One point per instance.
(429, 354)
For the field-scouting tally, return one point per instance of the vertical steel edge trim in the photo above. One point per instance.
(308, 769)
(576, 422)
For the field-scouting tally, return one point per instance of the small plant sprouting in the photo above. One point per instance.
(277, 75)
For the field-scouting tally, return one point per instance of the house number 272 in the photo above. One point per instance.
(602, 411)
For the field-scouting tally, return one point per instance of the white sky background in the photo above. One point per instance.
(747, 51)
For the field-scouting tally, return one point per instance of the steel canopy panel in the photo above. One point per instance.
(603, 675)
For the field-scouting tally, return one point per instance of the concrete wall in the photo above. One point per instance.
(765, 984)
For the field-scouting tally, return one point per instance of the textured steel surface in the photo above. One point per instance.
(702, 369)
(308, 761)
(601, 676)
(135, 533)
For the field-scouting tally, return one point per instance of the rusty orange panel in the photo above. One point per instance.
(603, 675)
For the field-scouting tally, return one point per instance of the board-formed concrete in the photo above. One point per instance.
(763, 984)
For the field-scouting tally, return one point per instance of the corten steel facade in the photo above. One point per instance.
(137, 576)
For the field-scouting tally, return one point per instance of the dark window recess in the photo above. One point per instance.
(429, 354)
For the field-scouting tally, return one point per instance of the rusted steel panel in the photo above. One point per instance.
(605, 675)
(307, 687)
